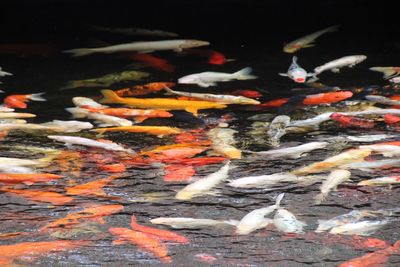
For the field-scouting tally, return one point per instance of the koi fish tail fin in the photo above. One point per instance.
(37, 97)
(333, 28)
(388, 72)
(109, 96)
(168, 91)
(319, 198)
(78, 112)
(279, 199)
(283, 74)
(244, 74)
(79, 52)
(294, 59)
(4, 73)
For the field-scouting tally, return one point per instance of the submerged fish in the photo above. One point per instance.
(388, 72)
(19, 101)
(336, 64)
(140, 47)
(363, 228)
(256, 218)
(225, 99)
(40, 196)
(192, 223)
(296, 73)
(107, 80)
(381, 181)
(101, 119)
(263, 181)
(369, 138)
(204, 185)
(351, 121)
(27, 178)
(206, 79)
(307, 41)
(351, 217)
(334, 179)
(148, 60)
(160, 103)
(223, 142)
(277, 129)
(286, 222)
(292, 152)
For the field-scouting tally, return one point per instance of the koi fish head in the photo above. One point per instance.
(298, 75)
(194, 43)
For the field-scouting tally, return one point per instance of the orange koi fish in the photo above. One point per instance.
(247, 93)
(152, 61)
(178, 173)
(391, 119)
(70, 162)
(31, 250)
(95, 213)
(114, 168)
(94, 188)
(19, 101)
(192, 136)
(143, 89)
(374, 259)
(160, 103)
(351, 121)
(327, 98)
(274, 103)
(196, 161)
(395, 97)
(214, 57)
(27, 178)
(139, 114)
(143, 241)
(153, 130)
(40, 196)
(163, 235)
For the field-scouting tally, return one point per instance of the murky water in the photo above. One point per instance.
(141, 189)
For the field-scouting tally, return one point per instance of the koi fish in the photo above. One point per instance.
(277, 129)
(336, 64)
(256, 219)
(292, 152)
(19, 101)
(207, 79)
(140, 47)
(94, 188)
(363, 228)
(307, 41)
(247, 93)
(95, 213)
(68, 126)
(286, 222)
(352, 155)
(388, 72)
(27, 178)
(382, 100)
(142, 240)
(55, 126)
(395, 80)
(381, 181)
(274, 103)
(327, 98)
(369, 138)
(134, 31)
(70, 162)
(296, 73)
(192, 223)
(39, 196)
(373, 259)
(28, 250)
(391, 119)
(74, 140)
(160, 103)
(159, 131)
(42, 162)
(4, 73)
(143, 89)
(225, 99)
(204, 185)
(263, 181)
(202, 161)
(153, 62)
(163, 235)
(178, 173)
(373, 165)
(101, 119)
(107, 80)
(334, 179)
(223, 142)
(84, 102)
(350, 121)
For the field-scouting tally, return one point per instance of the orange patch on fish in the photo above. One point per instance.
(40, 196)
(327, 98)
(351, 121)
(27, 178)
(178, 173)
(153, 130)
(274, 103)
(94, 188)
(144, 89)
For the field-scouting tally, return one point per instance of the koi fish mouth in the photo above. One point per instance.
(299, 80)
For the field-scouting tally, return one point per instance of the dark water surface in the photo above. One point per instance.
(252, 33)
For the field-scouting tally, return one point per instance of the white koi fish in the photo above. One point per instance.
(336, 64)
(6, 109)
(263, 181)
(369, 138)
(192, 223)
(206, 79)
(334, 179)
(373, 165)
(84, 101)
(140, 47)
(292, 152)
(296, 73)
(223, 142)
(74, 140)
(4, 73)
(307, 41)
(204, 185)
(256, 218)
(17, 162)
(363, 228)
(395, 80)
(15, 115)
(388, 72)
(351, 217)
(16, 169)
(312, 123)
(381, 181)
(382, 100)
(134, 31)
(69, 126)
(102, 119)
(385, 150)
(51, 127)
(225, 99)
(286, 222)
